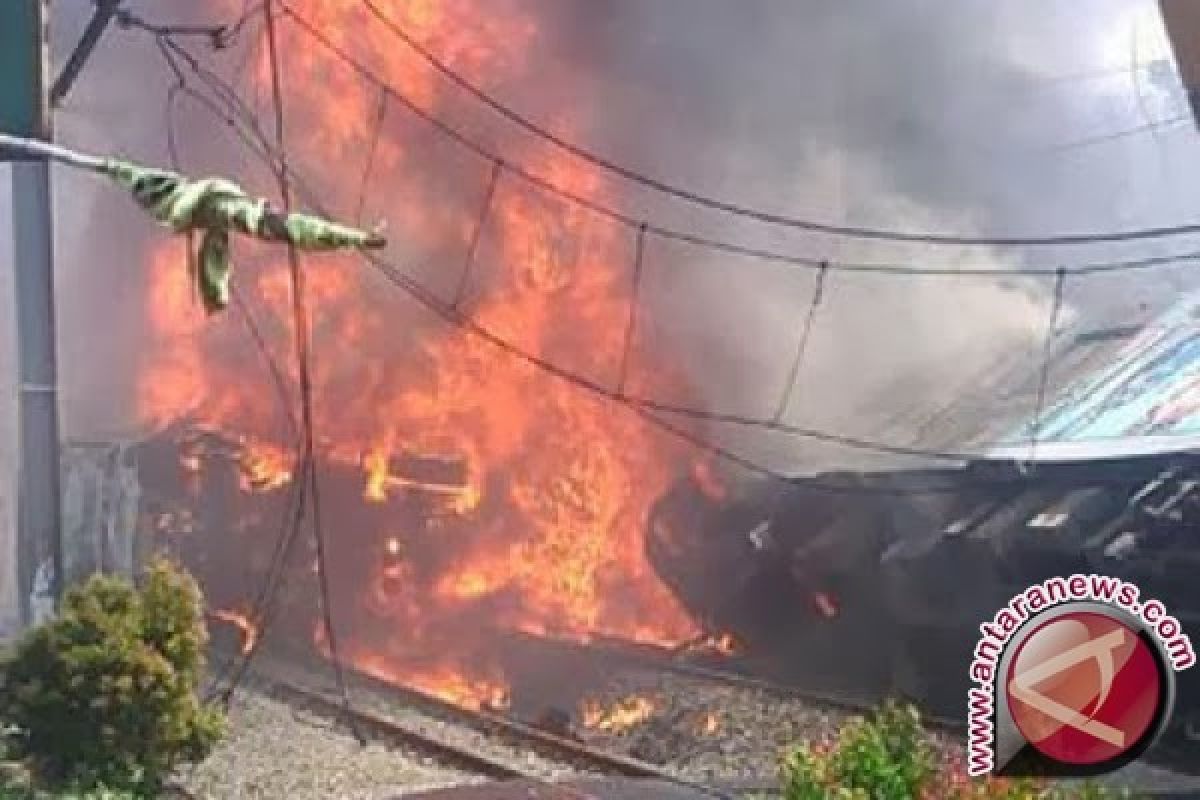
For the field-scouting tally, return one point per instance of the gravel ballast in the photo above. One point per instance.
(273, 751)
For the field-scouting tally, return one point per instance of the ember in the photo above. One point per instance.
(621, 717)
(826, 604)
(445, 683)
(726, 644)
(706, 478)
(242, 622)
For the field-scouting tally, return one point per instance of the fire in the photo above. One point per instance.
(444, 682)
(622, 716)
(826, 604)
(706, 478)
(265, 467)
(532, 495)
(242, 622)
(709, 724)
(726, 644)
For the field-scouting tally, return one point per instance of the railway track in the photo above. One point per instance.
(497, 746)
(731, 671)
(481, 742)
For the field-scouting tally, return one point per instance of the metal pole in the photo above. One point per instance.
(39, 527)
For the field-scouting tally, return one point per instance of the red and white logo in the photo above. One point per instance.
(1073, 677)
(1084, 688)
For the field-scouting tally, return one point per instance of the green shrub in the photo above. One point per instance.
(884, 756)
(888, 756)
(25, 793)
(105, 694)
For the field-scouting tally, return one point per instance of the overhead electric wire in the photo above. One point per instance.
(645, 408)
(254, 138)
(259, 144)
(261, 609)
(731, 248)
(789, 387)
(300, 321)
(735, 209)
(369, 166)
(635, 292)
(485, 207)
(1153, 127)
(1044, 372)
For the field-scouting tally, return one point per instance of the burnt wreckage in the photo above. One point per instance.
(879, 581)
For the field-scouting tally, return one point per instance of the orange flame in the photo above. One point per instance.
(556, 485)
(726, 644)
(622, 716)
(242, 622)
(711, 485)
(444, 682)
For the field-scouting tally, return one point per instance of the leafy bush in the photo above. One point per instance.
(888, 756)
(885, 756)
(26, 793)
(105, 694)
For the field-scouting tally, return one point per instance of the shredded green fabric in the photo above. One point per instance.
(216, 206)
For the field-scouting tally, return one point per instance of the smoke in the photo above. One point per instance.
(925, 115)
(971, 117)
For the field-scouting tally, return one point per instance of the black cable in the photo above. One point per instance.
(1104, 138)
(744, 211)
(802, 346)
(645, 410)
(1044, 375)
(485, 207)
(730, 248)
(260, 611)
(369, 166)
(639, 247)
(258, 144)
(300, 320)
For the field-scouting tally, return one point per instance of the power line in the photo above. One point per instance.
(261, 609)
(639, 252)
(729, 248)
(735, 209)
(301, 323)
(253, 137)
(1152, 127)
(1044, 376)
(789, 386)
(485, 208)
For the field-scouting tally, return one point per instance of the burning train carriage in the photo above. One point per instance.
(222, 506)
(868, 583)
(871, 581)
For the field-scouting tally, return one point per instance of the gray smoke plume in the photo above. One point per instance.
(989, 118)
(972, 117)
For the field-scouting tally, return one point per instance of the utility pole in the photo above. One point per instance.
(39, 525)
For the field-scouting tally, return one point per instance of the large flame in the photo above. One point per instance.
(544, 521)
